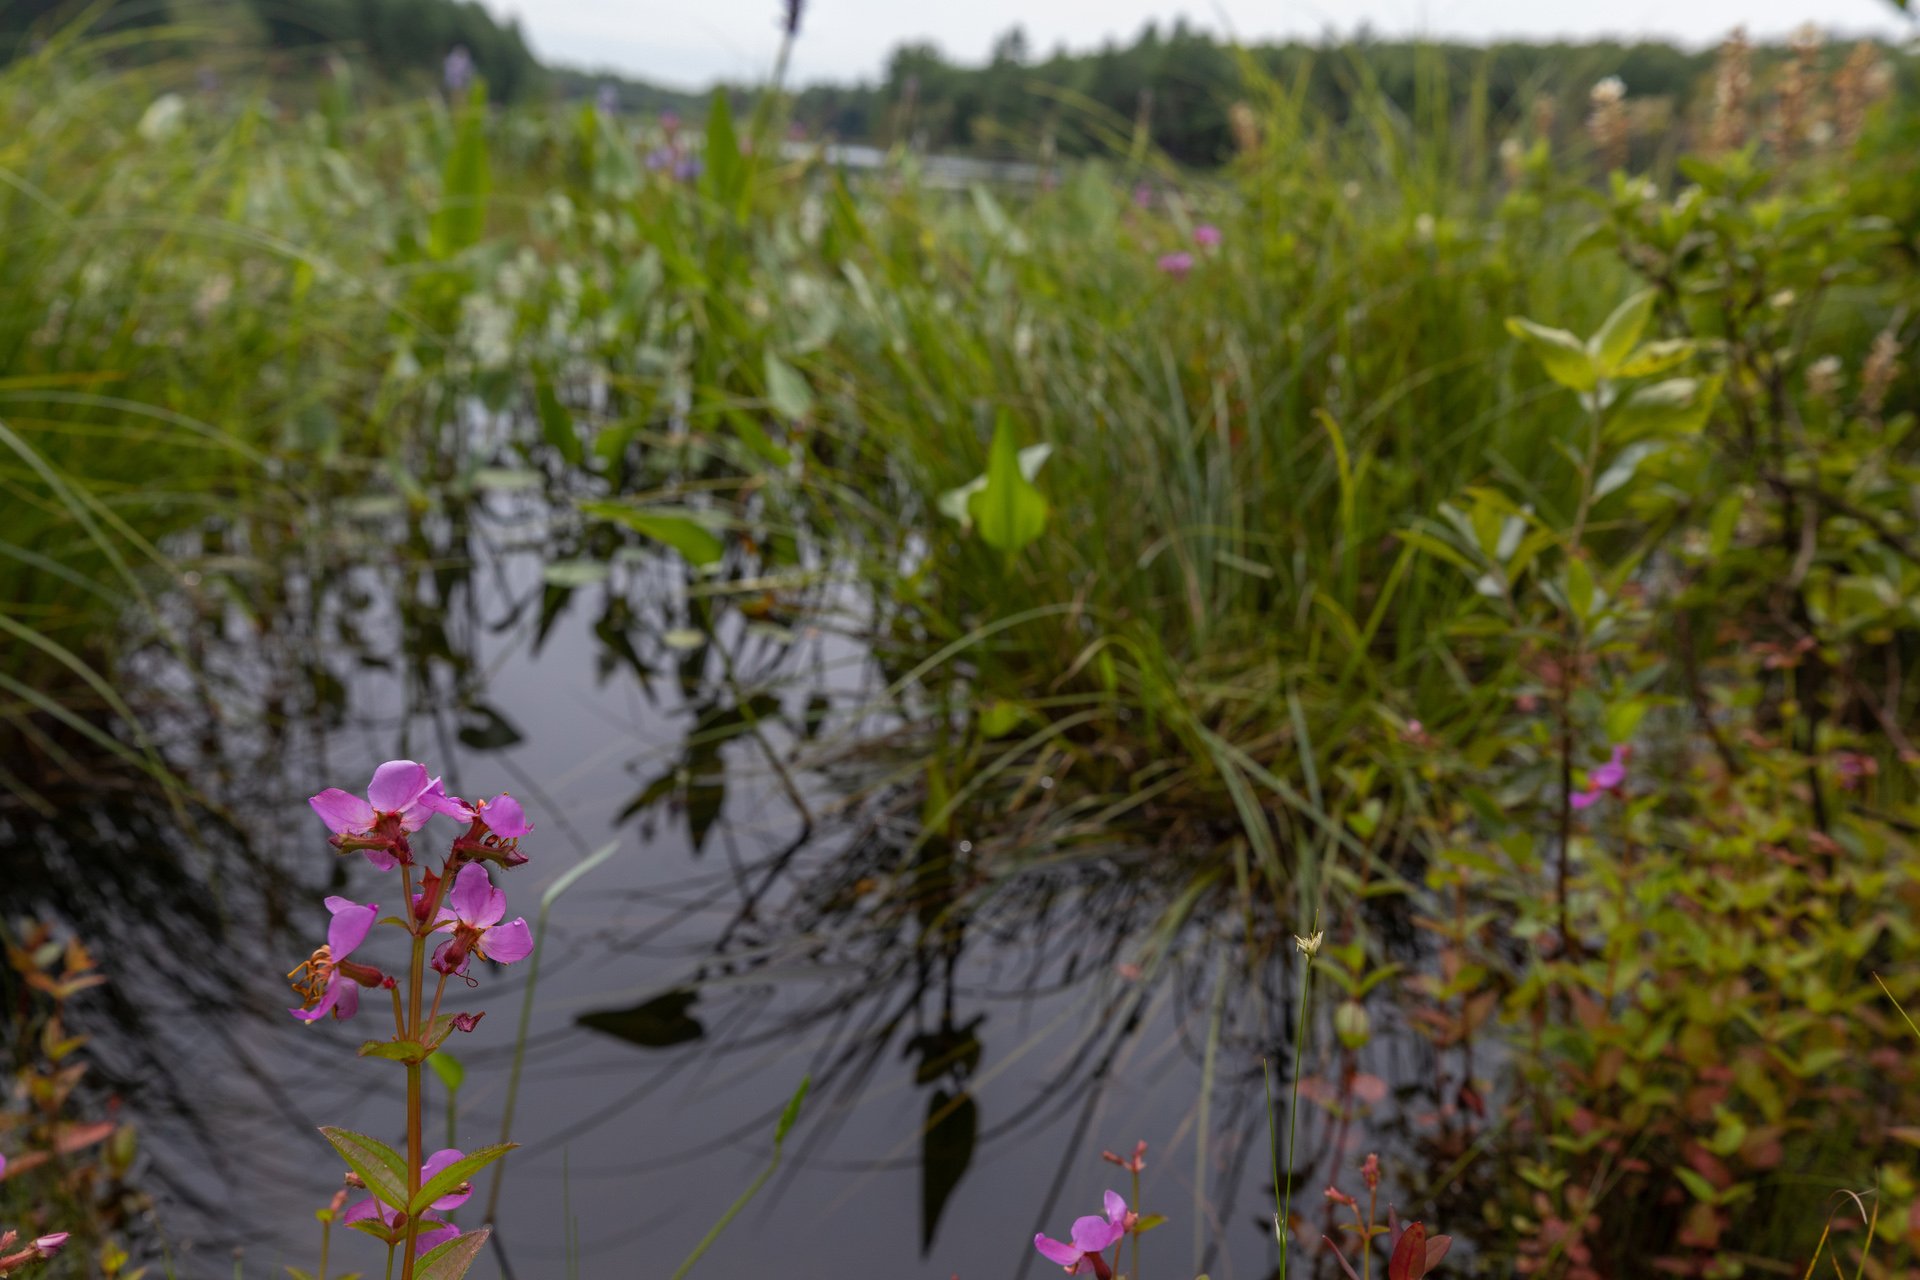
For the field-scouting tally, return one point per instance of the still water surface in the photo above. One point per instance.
(966, 1072)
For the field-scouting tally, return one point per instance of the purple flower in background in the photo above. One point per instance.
(1142, 196)
(670, 123)
(1091, 1237)
(398, 801)
(1608, 777)
(688, 168)
(472, 914)
(1176, 264)
(1207, 236)
(321, 985)
(457, 70)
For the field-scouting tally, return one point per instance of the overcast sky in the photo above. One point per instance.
(691, 43)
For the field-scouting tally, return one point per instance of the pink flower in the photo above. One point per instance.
(1370, 1171)
(1142, 196)
(1608, 777)
(1337, 1196)
(397, 803)
(473, 917)
(433, 1231)
(501, 815)
(1176, 264)
(1207, 236)
(327, 982)
(1090, 1238)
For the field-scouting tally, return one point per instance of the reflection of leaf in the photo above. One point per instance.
(660, 1023)
(704, 802)
(951, 1049)
(724, 723)
(945, 1152)
(650, 795)
(485, 729)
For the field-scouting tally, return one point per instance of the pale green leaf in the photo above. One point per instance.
(1563, 356)
(1617, 336)
(1009, 510)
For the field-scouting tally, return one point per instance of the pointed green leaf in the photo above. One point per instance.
(787, 391)
(452, 1074)
(725, 173)
(1009, 510)
(1615, 338)
(792, 1111)
(450, 1261)
(678, 527)
(378, 1164)
(1563, 355)
(1656, 357)
(409, 1051)
(1675, 407)
(1579, 589)
(1001, 717)
(462, 217)
(461, 1170)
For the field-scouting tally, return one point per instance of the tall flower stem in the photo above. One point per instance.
(416, 984)
(1293, 1115)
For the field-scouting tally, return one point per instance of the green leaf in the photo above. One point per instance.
(787, 391)
(556, 424)
(678, 527)
(1001, 717)
(1699, 1186)
(725, 174)
(1563, 355)
(574, 573)
(954, 502)
(378, 1165)
(409, 1051)
(461, 1170)
(450, 1261)
(1617, 336)
(1622, 469)
(792, 1112)
(1656, 357)
(462, 217)
(448, 1068)
(1009, 510)
(1579, 587)
(298, 1274)
(1675, 407)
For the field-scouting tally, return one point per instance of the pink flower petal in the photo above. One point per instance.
(397, 784)
(346, 997)
(1095, 1235)
(1116, 1207)
(1056, 1251)
(351, 922)
(1585, 799)
(473, 894)
(505, 818)
(437, 1162)
(327, 1000)
(441, 1233)
(364, 1209)
(509, 942)
(436, 799)
(381, 859)
(344, 814)
(415, 815)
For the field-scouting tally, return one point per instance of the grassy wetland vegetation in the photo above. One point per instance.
(1485, 534)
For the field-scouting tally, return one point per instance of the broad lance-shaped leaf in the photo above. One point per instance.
(409, 1051)
(1010, 512)
(456, 1173)
(787, 390)
(1615, 338)
(1564, 356)
(378, 1164)
(953, 503)
(685, 531)
(462, 216)
(450, 1261)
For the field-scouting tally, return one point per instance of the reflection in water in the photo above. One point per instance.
(979, 1018)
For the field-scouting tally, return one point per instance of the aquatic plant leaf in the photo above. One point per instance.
(953, 503)
(464, 183)
(946, 1149)
(450, 1261)
(659, 1023)
(485, 729)
(1009, 511)
(461, 1170)
(378, 1164)
(678, 528)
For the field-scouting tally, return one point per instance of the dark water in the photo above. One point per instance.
(968, 1067)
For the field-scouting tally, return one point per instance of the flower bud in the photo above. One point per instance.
(1351, 1024)
(467, 1021)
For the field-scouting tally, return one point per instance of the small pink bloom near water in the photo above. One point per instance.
(1091, 1237)
(1176, 265)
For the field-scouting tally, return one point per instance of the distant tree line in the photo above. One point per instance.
(398, 39)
